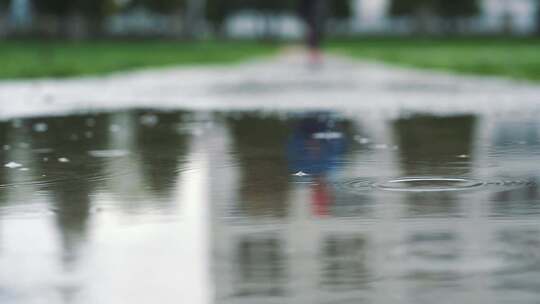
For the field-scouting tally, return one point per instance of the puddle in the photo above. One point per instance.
(265, 207)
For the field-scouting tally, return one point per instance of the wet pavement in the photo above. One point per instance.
(281, 83)
(412, 202)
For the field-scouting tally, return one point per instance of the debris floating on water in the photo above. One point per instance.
(63, 160)
(90, 122)
(301, 174)
(42, 150)
(463, 156)
(108, 153)
(197, 132)
(362, 140)
(12, 165)
(327, 135)
(149, 120)
(114, 128)
(41, 127)
(17, 123)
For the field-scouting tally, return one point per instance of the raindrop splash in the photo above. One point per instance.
(362, 140)
(114, 128)
(13, 165)
(41, 127)
(301, 174)
(327, 135)
(108, 153)
(149, 120)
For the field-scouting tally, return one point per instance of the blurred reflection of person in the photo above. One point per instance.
(313, 14)
(315, 148)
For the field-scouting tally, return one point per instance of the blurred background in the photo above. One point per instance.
(269, 181)
(186, 19)
(50, 38)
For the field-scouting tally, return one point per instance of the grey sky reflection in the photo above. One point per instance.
(139, 206)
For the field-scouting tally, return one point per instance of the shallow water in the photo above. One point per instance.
(142, 206)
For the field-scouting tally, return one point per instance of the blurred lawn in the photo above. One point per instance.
(31, 59)
(518, 58)
(513, 57)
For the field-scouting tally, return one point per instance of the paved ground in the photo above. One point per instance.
(283, 82)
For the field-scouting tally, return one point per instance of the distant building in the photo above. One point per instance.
(20, 14)
(510, 16)
(143, 22)
(250, 24)
(517, 16)
(371, 17)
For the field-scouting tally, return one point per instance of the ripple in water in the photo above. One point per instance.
(429, 184)
(433, 184)
(64, 169)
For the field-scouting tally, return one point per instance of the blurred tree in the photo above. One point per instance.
(420, 10)
(455, 13)
(276, 6)
(443, 8)
(192, 12)
(408, 7)
(78, 17)
(538, 17)
(423, 10)
(194, 17)
(162, 6)
(268, 10)
(340, 9)
(216, 12)
(339, 13)
(3, 13)
(58, 8)
(457, 8)
(94, 12)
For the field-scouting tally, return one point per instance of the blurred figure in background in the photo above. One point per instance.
(313, 14)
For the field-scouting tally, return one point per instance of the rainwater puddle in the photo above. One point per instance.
(269, 207)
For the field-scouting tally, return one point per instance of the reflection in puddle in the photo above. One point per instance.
(239, 207)
(261, 267)
(343, 263)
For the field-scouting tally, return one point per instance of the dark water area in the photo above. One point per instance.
(144, 206)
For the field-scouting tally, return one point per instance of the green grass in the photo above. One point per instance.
(516, 58)
(32, 59)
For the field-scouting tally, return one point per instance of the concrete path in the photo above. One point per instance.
(282, 82)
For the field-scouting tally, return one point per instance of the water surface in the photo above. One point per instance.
(143, 206)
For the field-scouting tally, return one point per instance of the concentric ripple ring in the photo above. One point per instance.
(429, 184)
